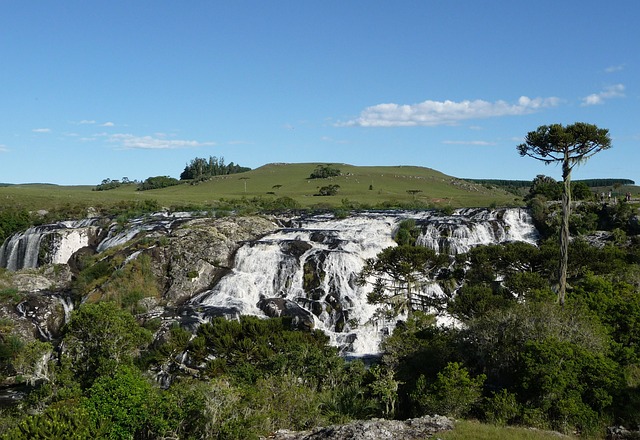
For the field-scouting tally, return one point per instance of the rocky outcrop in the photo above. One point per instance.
(280, 307)
(201, 251)
(186, 258)
(375, 429)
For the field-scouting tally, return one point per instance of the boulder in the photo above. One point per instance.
(281, 307)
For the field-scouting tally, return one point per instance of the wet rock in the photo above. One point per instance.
(281, 307)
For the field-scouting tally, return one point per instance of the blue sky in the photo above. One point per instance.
(109, 89)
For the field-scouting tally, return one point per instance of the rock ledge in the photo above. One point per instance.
(374, 429)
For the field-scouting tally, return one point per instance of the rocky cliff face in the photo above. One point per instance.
(186, 256)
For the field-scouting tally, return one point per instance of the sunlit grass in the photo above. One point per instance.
(360, 186)
(470, 430)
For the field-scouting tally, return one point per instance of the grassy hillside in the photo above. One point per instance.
(364, 186)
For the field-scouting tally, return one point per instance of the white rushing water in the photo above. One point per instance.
(338, 248)
(22, 250)
(313, 263)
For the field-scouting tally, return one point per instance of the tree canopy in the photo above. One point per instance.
(401, 274)
(569, 145)
(201, 168)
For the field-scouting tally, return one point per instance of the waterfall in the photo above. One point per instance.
(53, 243)
(21, 250)
(315, 265)
(467, 228)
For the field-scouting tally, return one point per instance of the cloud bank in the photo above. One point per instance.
(159, 142)
(433, 113)
(614, 91)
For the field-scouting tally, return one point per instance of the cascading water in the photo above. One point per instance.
(316, 263)
(23, 250)
(312, 264)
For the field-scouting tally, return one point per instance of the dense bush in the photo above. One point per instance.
(324, 171)
(13, 220)
(201, 168)
(157, 182)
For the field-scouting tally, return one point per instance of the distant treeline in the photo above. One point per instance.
(201, 168)
(591, 183)
(196, 170)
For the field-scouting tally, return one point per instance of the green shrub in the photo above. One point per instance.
(501, 408)
(454, 392)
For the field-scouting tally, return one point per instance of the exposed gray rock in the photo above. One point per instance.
(202, 250)
(621, 433)
(374, 429)
(276, 307)
(50, 277)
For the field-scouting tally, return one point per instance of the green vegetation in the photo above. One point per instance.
(329, 190)
(157, 182)
(569, 146)
(202, 169)
(472, 430)
(517, 358)
(228, 191)
(324, 172)
(108, 184)
(399, 274)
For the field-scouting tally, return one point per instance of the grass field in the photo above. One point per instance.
(364, 186)
(470, 430)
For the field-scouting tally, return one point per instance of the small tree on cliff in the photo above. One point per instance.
(570, 145)
(400, 274)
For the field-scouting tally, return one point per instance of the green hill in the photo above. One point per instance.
(362, 186)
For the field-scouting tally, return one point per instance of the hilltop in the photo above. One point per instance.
(364, 186)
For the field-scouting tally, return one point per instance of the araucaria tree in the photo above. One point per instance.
(570, 146)
(400, 275)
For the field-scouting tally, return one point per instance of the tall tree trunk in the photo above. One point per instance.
(564, 229)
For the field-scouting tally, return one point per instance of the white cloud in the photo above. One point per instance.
(3, 148)
(480, 143)
(130, 141)
(432, 113)
(41, 130)
(108, 124)
(612, 69)
(614, 91)
(86, 122)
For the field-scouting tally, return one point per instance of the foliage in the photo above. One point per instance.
(324, 171)
(249, 348)
(201, 168)
(13, 220)
(108, 184)
(570, 146)
(407, 233)
(550, 189)
(454, 392)
(130, 283)
(99, 338)
(329, 190)
(571, 386)
(65, 421)
(157, 182)
(127, 405)
(501, 408)
(401, 275)
(385, 387)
